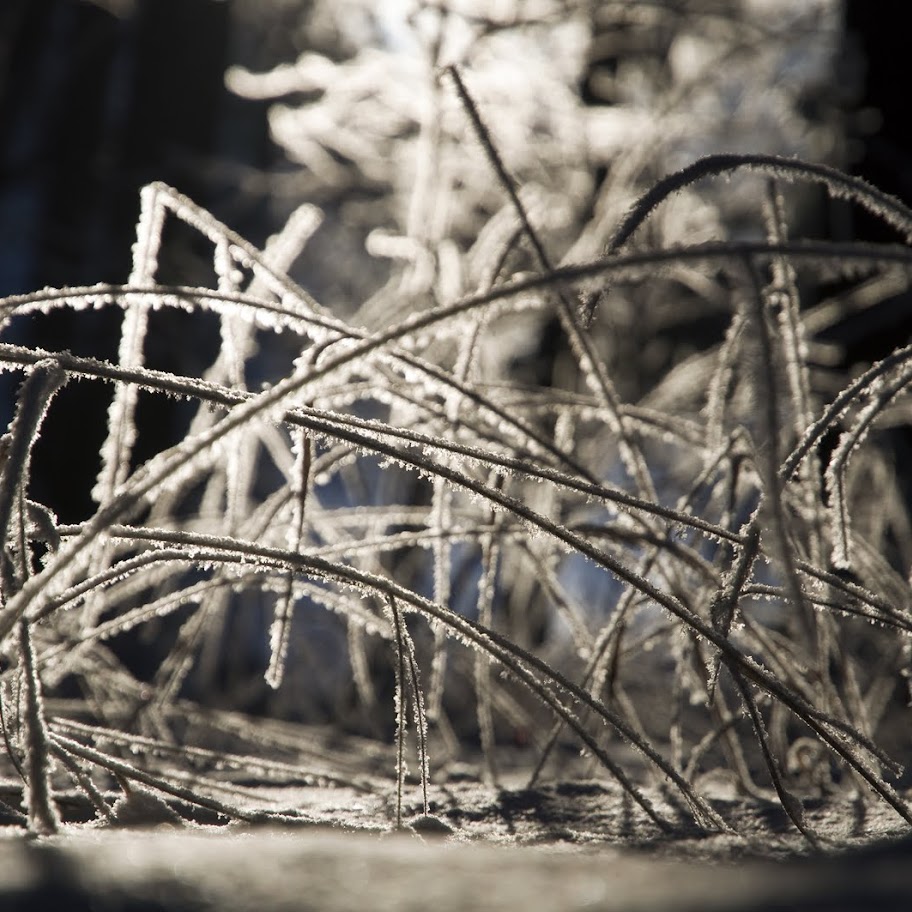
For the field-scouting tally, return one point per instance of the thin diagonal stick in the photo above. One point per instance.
(591, 365)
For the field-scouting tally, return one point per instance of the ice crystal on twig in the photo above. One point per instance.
(512, 463)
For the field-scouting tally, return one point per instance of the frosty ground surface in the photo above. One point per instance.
(573, 845)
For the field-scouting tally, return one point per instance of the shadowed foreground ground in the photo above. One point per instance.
(567, 847)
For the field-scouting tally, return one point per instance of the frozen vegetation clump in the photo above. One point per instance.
(585, 469)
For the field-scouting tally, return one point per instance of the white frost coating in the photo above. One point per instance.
(309, 72)
(283, 248)
(148, 236)
(118, 446)
(279, 634)
(441, 465)
(223, 262)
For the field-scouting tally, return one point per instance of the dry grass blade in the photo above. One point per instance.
(647, 529)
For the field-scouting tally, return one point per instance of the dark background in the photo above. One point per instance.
(97, 100)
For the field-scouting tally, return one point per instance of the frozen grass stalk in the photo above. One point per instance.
(35, 397)
(660, 541)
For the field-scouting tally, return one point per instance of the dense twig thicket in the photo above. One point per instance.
(694, 542)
